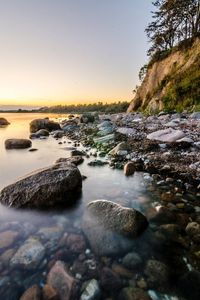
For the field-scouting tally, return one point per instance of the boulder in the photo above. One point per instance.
(39, 133)
(47, 124)
(77, 160)
(62, 282)
(29, 255)
(166, 135)
(32, 293)
(57, 134)
(17, 144)
(110, 227)
(45, 187)
(3, 122)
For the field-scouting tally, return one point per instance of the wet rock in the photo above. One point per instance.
(77, 153)
(6, 256)
(87, 118)
(57, 134)
(189, 285)
(39, 133)
(33, 293)
(76, 160)
(63, 283)
(120, 147)
(33, 150)
(193, 230)
(166, 135)
(123, 220)
(7, 238)
(17, 144)
(97, 163)
(132, 293)
(109, 280)
(105, 139)
(29, 255)
(47, 233)
(122, 271)
(91, 290)
(46, 187)
(75, 243)
(129, 168)
(157, 273)
(48, 293)
(3, 122)
(38, 124)
(132, 260)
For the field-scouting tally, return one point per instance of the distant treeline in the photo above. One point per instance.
(93, 107)
(100, 107)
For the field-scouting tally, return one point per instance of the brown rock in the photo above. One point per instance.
(129, 168)
(32, 293)
(49, 293)
(7, 238)
(3, 122)
(63, 283)
(17, 143)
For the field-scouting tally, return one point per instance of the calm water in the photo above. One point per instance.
(101, 183)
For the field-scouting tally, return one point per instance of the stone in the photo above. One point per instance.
(105, 139)
(7, 238)
(193, 230)
(29, 255)
(4, 122)
(47, 124)
(63, 283)
(97, 163)
(76, 160)
(91, 290)
(77, 153)
(45, 187)
(132, 293)
(48, 293)
(47, 233)
(40, 133)
(195, 115)
(17, 144)
(131, 260)
(123, 220)
(129, 168)
(109, 227)
(76, 243)
(87, 118)
(120, 147)
(32, 293)
(166, 135)
(57, 134)
(157, 273)
(110, 280)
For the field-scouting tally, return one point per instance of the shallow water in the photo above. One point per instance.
(101, 183)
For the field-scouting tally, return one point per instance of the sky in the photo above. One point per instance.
(71, 51)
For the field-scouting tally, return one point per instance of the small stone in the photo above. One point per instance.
(49, 293)
(32, 293)
(132, 260)
(91, 291)
(129, 168)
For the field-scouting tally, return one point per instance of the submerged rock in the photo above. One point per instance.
(32, 293)
(7, 238)
(3, 122)
(17, 143)
(91, 291)
(38, 124)
(109, 227)
(29, 255)
(77, 160)
(46, 187)
(63, 283)
(40, 133)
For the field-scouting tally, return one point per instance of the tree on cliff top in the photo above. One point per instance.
(173, 21)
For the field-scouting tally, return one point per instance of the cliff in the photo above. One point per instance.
(172, 82)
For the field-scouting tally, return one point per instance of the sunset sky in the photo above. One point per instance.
(71, 51)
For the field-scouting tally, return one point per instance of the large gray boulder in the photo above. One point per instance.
(45, 187)
(110, 227)
(18, 144)
(47, 124)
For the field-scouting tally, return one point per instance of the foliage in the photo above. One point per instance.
(174, 21)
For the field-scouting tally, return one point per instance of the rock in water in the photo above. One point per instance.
(63, 283)
(91, 291)
(3, 122)
(38, 124)
(123, 220)
(17, 143)
(46, 187)
(29, 255)
(110, 227)
(33, 293)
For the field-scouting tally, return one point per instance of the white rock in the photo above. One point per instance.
(166, 135)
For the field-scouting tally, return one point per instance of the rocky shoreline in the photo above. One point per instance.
(98, 258)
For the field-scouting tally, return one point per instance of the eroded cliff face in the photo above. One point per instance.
(163, 75)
